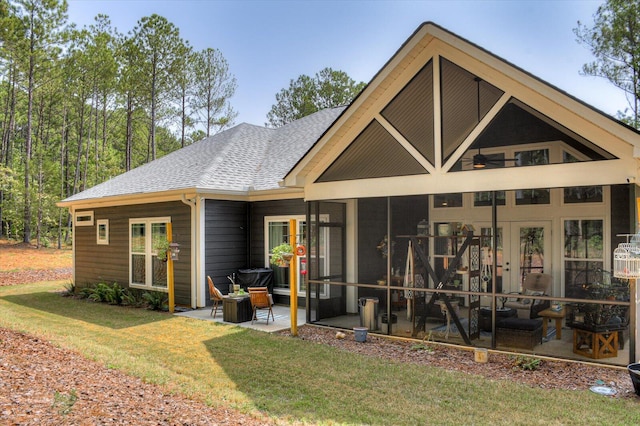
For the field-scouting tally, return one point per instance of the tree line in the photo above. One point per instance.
(81, 105)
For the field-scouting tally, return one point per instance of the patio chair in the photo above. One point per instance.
(535, 284)
(260, 299)
(215, 296)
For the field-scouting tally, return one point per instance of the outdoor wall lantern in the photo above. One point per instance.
(175, 249)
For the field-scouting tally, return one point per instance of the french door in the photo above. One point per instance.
(523, 248)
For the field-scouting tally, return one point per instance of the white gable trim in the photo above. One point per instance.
(428, 43)
(607, 172)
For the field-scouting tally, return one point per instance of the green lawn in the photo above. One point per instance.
(286, 377)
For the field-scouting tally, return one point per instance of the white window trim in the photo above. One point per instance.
(149, 252)
(102, 223)
(83, 218)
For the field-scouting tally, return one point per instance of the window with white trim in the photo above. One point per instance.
(146, 270)
(84, 218)
(102, 231)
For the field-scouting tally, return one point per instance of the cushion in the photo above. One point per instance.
(528, 292)
(520, 324)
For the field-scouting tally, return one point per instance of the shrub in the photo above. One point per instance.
(85, 292)
(156, 300)
(69, 289)
(426, 345)
(115, 294)
(100, 293)
(133, 297)
(527, 363)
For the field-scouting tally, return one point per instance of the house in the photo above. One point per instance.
(221, 196)
(447, 138)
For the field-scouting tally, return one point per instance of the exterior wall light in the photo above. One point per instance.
(175, 249)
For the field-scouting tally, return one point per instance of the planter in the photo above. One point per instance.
(281, 255)
(287, 256)
(360, 334)
(481, 355)
(634, 372)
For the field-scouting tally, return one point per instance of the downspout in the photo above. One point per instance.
(195, 248)
(72, 212)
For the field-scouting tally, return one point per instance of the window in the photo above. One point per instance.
(102, 231)
(533, 196)
(583, 194)
(484, 198)
(146, 269)
(583, 253)
(84, 218)
(534, 157)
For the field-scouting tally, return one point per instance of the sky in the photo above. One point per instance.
(269, 43)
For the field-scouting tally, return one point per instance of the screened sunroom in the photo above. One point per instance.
(461, 199)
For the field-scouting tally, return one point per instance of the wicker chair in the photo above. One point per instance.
(535, 284)
(215, 295)
(260, 300)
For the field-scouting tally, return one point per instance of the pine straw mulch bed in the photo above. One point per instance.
(41, 384)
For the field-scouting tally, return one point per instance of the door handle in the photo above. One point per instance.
(506, 267)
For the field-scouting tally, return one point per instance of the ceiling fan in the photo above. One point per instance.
(479, 160)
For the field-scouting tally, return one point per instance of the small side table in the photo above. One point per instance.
(595, 344)
(548, 314)
(236, 309)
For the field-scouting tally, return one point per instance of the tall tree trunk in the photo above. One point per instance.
(129, 136)
(63, 136)
(184, 117)
(76, 179)
(152, 129)
(104, 123)
(9, 117)
(40, 130)
(87, 152)
(7, 144)
(96, 147)
(27, 145)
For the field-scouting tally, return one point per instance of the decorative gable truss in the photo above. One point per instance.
(442, 104)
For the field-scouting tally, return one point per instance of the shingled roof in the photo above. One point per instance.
(239, 160)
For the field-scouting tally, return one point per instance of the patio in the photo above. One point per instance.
(282, 315)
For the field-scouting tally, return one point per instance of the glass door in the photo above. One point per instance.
(523, 247)
(530, 252)
(277, 231)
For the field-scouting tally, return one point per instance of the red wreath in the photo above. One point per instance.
(301, 250)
